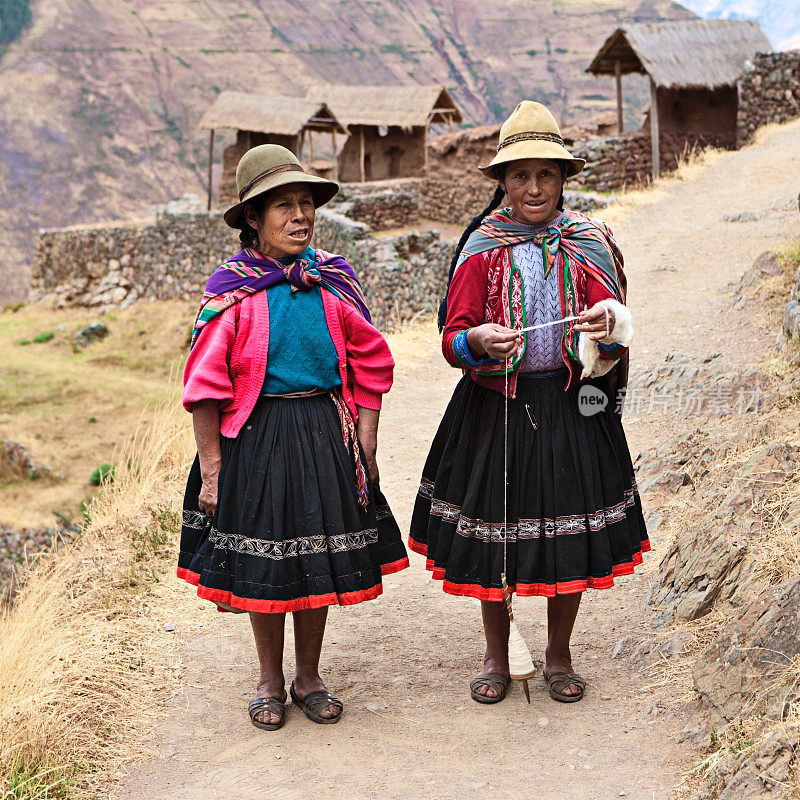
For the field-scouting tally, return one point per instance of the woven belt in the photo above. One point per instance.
(292, 395)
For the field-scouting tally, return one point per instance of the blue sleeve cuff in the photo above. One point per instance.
(461, 349)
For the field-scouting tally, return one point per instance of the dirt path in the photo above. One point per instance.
(402, 664)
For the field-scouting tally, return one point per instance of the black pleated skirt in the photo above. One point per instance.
(288, 533)
(572, 510)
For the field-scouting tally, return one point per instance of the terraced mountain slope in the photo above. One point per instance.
(100, 99)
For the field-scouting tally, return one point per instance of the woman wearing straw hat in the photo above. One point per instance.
(282, 511)
(529, 472)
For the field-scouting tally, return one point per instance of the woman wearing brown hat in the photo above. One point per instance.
(282, 511)
(529, 472)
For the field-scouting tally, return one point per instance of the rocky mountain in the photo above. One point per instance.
(100, 99)
(780, 19)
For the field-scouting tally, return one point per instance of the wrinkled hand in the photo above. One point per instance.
(370, 448)
(207, 499)
(592, 322)
(493, 340)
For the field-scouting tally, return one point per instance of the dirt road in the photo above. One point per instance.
(402, 664)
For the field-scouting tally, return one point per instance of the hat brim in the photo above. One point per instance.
(322, 191)
(533, 149)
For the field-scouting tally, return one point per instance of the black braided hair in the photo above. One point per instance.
(497, 198)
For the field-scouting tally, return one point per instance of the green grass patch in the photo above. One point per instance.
(36, 782)
(789, 255)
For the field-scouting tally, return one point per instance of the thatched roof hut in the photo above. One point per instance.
(264, 119)
(388, 126)
(392, 106)
(269, 114)
(686, 54)
(693, 66)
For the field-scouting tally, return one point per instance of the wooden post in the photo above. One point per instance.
(618, 75)
(300, 140)
(425, 149)
(654, 135)
(361, 166)
(210, 164)
(335, 156)
(310, 146)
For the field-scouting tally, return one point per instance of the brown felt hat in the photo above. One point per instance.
(531, 132)
(267, 167)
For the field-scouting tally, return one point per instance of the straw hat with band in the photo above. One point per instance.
(267, 167)
(531, 132)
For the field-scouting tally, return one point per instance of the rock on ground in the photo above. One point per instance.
(743, 671)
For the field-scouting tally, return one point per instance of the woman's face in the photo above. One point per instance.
(534, 187)
(287, 224)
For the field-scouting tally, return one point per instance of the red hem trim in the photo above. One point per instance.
(417, 547)
(285, 606)
(530, 589)
(395, 566)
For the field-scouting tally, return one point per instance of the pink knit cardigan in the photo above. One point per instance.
(229, 360)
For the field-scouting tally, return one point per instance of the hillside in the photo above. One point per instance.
(99, 101)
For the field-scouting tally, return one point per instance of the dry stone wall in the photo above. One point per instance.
(769, 91)
(380, 205)
(613, 162)
(172, 258)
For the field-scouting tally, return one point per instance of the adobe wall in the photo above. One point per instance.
(172, 257)
(769, 91)
(399, 154)
(707, 115)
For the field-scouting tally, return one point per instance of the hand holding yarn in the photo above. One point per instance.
(597, 321)
(493, 340)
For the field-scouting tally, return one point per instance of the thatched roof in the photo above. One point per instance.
(703, 53)
(403, 106)
(268, 114)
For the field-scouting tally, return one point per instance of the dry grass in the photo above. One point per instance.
(630, 198)
(82, 656)
(71, 407)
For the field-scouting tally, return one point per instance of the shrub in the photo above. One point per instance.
(103, 473)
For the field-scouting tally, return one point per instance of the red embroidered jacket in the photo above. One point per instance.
(487, 288)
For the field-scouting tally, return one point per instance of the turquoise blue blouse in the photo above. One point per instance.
(301, 352)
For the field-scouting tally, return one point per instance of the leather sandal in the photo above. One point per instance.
(314, 702)
(274, 705)
(494, 680)
(559, 681)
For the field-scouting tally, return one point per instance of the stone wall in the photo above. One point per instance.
(172, 258)
(115, 265)
(769, 91)
(614, 162)
(380, 205)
